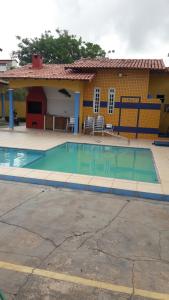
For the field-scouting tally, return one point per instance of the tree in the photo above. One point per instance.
(59, 48)
(19, 94)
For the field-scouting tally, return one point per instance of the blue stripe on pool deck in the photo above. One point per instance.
(92, 188)
(127, 105)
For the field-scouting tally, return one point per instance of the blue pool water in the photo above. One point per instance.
(97, 160)
(11, 157)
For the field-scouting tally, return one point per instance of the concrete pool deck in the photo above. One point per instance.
(44, 140)
(118, 243)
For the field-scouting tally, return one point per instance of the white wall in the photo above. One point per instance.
(3, 67)
(7, 65)
(59, 104)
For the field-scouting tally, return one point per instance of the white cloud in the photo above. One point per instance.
(24, 18)
(133, 28)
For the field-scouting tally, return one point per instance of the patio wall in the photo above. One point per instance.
(19, 106)
(131, 117)
(159, 84)
(58, 103)
(134, 114)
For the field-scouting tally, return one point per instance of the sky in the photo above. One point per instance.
(133, 28)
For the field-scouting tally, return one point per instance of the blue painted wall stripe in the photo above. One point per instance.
(87, 103)
(136, 129)
(103, 103)
(151, 106)
(154, 106)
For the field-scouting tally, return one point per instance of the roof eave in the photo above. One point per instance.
(113, 68)
(47, 78)
(4, 82)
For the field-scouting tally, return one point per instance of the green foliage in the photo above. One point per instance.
(18, 94)
(62, 48)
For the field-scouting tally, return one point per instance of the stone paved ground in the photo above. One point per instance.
(119, 240)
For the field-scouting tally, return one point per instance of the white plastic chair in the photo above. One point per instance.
(88, 124)
(99, 125)
(70, 123)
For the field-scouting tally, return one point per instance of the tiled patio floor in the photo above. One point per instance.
(43, 140)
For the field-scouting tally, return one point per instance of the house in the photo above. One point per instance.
(3, 85)
(129, 93)
(7, 64)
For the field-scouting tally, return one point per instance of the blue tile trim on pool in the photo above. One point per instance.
(85, 187)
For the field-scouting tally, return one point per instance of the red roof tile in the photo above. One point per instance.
(50, 71)
(78, 70)
(151, 64)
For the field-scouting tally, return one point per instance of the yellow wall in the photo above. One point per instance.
(132, 83)
(74, 85)
(19, 107)
(159, 84)
(149, 119)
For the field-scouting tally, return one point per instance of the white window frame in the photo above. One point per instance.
(111, 100)
(96, 100)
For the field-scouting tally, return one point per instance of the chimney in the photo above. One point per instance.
(37, 61)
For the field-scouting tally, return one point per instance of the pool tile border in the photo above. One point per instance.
(111, 189)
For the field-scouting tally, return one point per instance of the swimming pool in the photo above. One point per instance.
(12, 157)
(89, 159)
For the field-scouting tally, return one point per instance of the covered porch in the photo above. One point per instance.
(60, 109)
(49, 107)
(54, 95)
(52, 108)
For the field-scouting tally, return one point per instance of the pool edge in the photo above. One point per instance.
(87, 187)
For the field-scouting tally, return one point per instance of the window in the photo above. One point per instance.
(96, 102)
(161, 97)
(111, 96)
